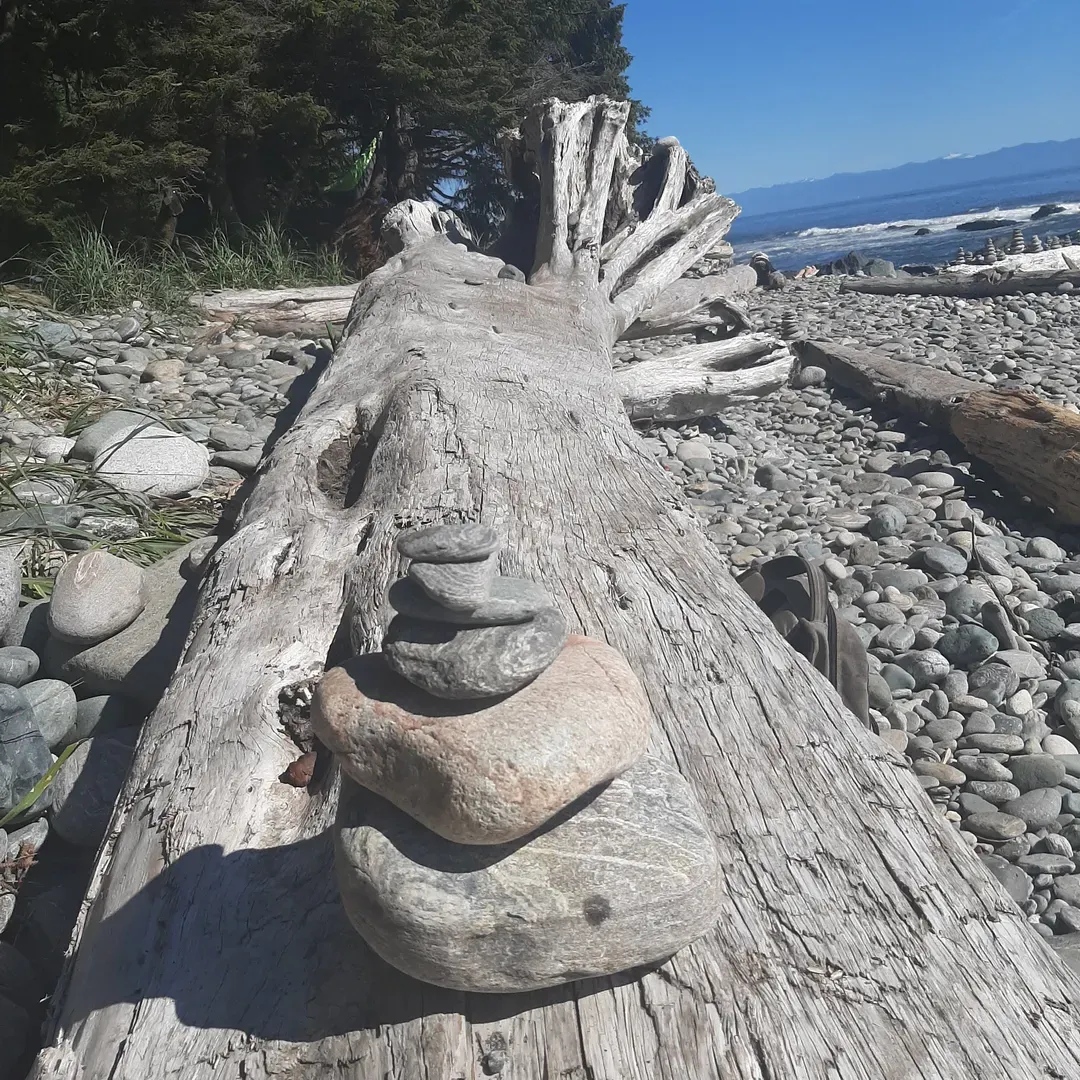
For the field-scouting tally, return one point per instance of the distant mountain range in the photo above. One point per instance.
(951, 171)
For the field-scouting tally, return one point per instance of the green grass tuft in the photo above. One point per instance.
(86, 272)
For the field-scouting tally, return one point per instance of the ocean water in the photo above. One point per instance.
(885, 227)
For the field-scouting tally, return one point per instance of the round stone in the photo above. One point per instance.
(628, 877)
(55, 710)
(966, 601)
(491, 774)
(460, 586)
(1038, 809)
(995, 743)
(18, 665)
(982, 768)
(995, 826)
(997, 792)
(939, 480)
(808, 376)
(885, 520)
(993, 683)
(942, 559)
(1044, 624)
(95, 596)
(153, 461)
(968, 645)
(468, 542)
(926, 667)
(463, 663)
(1031, 771)
(943, 774)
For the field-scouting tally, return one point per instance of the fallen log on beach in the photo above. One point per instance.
(859, 936)
(967, 286)
(1032, 443)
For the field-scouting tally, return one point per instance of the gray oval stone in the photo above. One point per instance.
(475, 662)
(18, 665)
(968, 645)
(996, 826)
(993, 683)
(55, 709)
(943, 559)
(467, 542)
(994, 791)
(460, 586)
(626, 876)
(1031, 771)
(95, 596)
(511, 600)
(1038, 808)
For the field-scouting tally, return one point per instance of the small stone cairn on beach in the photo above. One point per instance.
(1034, 245)
(962, 257)
(1016, 246)
(501, 827)
(990, 251)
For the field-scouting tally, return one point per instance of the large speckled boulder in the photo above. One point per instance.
(620, 880)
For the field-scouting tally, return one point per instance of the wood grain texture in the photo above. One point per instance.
(703, 380)
(970, 286)
(858, 939)
(692, 304)
(1032, 443)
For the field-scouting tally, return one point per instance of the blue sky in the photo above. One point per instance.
(765, 91)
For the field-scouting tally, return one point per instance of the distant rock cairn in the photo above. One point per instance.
(501, 827)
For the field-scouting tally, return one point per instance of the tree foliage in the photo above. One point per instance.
(142, 116)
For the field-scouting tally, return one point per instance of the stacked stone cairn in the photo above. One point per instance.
(1052, 242)
(1016, 245)
(501, 827)
(990, 251)
(962, 257)
(789, 326)
(1034, 245)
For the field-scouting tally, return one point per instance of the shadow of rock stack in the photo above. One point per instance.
(501, 827)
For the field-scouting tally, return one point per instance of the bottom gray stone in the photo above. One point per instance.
(626, 876)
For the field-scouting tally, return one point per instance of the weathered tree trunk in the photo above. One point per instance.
(1032, 443)
(970, 286)
(860, 938)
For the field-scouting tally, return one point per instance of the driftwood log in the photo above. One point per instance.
(702, 380)
(969, 286)
(860, 937)
(1032, 443)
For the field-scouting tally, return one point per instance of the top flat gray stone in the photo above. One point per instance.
(468, 542)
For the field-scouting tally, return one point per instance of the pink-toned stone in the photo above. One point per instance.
(493, 774)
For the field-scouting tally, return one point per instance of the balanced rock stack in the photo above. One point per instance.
(991, 251)
(500, 826)
(1016, 245)
(1034, 245)
(1053, 242)
(961, 257)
